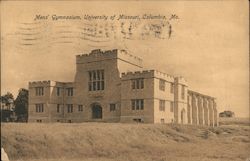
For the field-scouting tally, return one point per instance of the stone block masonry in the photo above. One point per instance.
(113, 86)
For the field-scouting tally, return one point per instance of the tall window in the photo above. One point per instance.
(70, 108)
(96, 80)
(39, 91)
(70, 91)
(183, 92)
(138, 83)
(162, 105)
(137, 104)
(171, 87)
(39, 108)
(171, 106)
(58, 89)
(112, 107)
(162, 85)
(58, 108)
(80, 108)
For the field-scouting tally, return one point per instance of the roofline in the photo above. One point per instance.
(191, 91)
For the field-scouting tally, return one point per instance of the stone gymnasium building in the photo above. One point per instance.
(110, 86)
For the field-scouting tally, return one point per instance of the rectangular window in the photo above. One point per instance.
(80, 107)
(162, 85)
(138, 83)
(96, 80)
(162, 105)
(39, 91)
(70, 108)
(38, 120)
(137, 120)
(58, 89)
(162, 121)
(137, 104)
(39, 108)
(183, 92)
(58, 108)
(70, 91)
(112, 107)
(171, 106)
(171, 87)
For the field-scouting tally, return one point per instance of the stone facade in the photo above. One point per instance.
(111, 86)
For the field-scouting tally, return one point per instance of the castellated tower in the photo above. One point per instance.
(180, 100)
(98, 83)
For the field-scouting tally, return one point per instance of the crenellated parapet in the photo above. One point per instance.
(180, 80)
(40, 83)
(138, 74)
(49, 83)
(124, 55)
(99, 55)
(147, 74)
(164, 76)
(190, 92)
(96, 54)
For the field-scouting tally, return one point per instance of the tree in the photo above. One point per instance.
(7, 99)
(7, 107)
(21, 105)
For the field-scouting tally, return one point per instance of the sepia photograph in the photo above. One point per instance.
(117, 80)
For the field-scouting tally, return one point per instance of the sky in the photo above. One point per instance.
(208, 46)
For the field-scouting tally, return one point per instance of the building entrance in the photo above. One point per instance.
(96, 111)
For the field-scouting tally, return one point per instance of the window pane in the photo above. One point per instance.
(142, 83)
(94, 75)
(137, 104)
(102, 74)
(94, 86)
(142, 104)
(90, 76)
(102, 84)
(98, 85)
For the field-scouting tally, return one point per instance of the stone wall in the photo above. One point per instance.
(151, 94)
(113, 63)
(120, 68)
(49, 99)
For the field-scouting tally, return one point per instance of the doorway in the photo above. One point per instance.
(96, 111)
